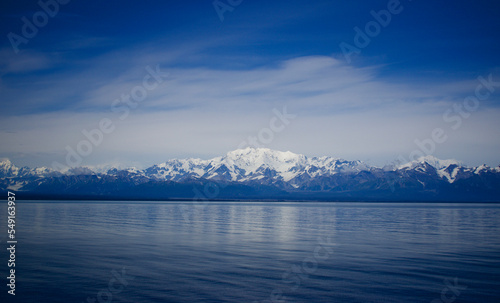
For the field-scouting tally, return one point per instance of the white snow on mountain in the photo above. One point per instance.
(482, 168)
(177, 168)
(7, 168)
(432, 161)
(446, 169)
(254, 164)
(244, 164)
(449, 174)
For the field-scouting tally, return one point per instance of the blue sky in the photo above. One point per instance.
(227, 78)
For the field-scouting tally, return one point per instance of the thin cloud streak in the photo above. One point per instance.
(342, 111)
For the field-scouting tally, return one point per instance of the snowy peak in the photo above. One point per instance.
(7, 168)
(263, 154)
(252, 159)
(264, 173)
(432, 161)
(263, 163)
(448, 170)
(249, 164)
(5, 161)
(178, 169)
(482, 168)
(264, 166)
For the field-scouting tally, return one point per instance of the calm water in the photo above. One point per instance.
(246, 252)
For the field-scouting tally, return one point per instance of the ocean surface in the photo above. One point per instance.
(253, 252)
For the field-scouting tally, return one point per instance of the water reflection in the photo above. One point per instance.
(238, 252)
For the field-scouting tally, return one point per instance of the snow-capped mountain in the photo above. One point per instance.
(432, 161)
(7, 169)
(253, 164)
(266, 173)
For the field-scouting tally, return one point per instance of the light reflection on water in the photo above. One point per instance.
(239, 252)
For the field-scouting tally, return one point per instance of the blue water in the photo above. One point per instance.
(246, 252)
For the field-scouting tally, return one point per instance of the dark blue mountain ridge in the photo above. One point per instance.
(260, 173)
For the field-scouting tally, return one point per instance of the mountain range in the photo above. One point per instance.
(261, 173)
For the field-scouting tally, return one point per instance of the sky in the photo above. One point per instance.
(137, 83)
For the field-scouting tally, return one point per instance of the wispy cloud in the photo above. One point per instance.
(343, 110)
(26, 61)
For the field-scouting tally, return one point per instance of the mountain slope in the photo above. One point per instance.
(264, 173)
